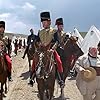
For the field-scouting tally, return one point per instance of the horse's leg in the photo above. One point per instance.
(47, 94)
(30, 67)
(66, 71)
(41, 90)
(62, 94)
(5, 88)
(29, 61)
(51, 92)
(1, 97)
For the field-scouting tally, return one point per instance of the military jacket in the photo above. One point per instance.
(61, 37)
(2, 38)
(46, 36)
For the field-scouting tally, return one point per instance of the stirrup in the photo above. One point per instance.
(62, 84)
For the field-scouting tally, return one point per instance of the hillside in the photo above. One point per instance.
(83, 34)
(10, 35)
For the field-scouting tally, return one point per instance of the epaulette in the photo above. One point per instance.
(52, 30)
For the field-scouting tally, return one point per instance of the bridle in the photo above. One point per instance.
(41, 66)
(2, 63)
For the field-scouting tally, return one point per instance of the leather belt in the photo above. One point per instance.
(97, 70)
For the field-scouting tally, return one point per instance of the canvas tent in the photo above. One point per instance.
(92, 38)
(76, 33)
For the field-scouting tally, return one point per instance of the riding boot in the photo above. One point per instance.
(32, 76)
(26, 50)
(60, 78)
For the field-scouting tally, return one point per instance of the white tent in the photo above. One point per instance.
(76, 33)
(92, 38)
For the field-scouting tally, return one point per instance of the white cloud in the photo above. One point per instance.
(13, 24)
(4, 15)
(7, 4)
(28, 6)
(21, 15)
(17, 16)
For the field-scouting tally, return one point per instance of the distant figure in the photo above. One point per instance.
(20, 43)
(24, 44)
(9, 47)
(16, 46)
(30, 39)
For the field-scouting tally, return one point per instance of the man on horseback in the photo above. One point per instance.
(62, 37)
(30, 39)
(60, 31)
(45, 39)
(8, 60)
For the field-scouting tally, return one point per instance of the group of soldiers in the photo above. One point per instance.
(48, 38)
(87, 66)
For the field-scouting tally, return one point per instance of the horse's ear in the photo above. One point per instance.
(36, 44)
(74, 38)
(1, 43)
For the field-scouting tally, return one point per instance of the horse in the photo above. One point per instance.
(3, 74)
(45, 73)
(30, 54)
(69, 54)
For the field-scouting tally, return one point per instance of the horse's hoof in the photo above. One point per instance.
(31, 82)
(63, 98)
(4, 95)
(38, 95)
(23, 57)
(10, 79)
(6, 91)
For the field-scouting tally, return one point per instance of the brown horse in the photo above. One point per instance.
(69, 50)
(3, 74)
(30, 53)
(45, 74)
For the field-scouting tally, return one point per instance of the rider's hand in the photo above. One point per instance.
(83, 70)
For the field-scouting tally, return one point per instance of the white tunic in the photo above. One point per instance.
(81, 63)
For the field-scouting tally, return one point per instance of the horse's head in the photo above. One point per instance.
(2, 59)
(1, 48)
(45, 63)
(71, 47)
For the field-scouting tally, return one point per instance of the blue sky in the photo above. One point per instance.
(21, 15)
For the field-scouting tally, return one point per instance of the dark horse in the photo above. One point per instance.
(3, 74)
(69, 54)
(45, 73)
(30, 53)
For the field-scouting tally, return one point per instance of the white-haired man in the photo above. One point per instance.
(90, 85)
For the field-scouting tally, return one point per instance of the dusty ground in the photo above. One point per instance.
(20, 90)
